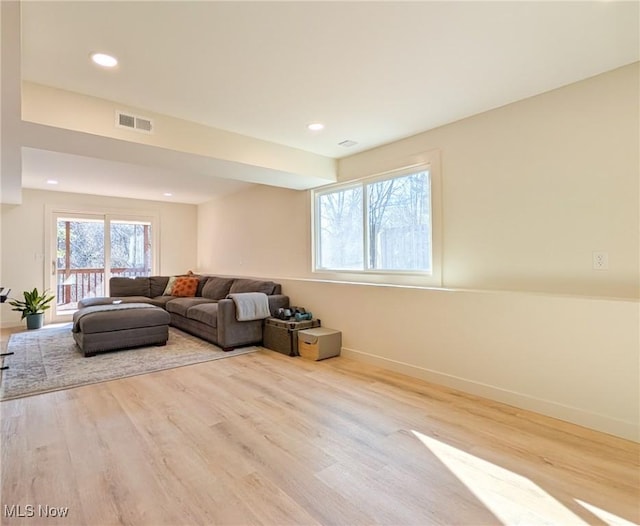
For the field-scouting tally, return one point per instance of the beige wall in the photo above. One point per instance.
(529, 191)
(264, 231)
(533, 188)
(73, 111)
(23, 236)
(573, 358)
(10, 46)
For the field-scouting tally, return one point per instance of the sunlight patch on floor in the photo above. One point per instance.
(512, 498)
(605, 516)
(54, 325)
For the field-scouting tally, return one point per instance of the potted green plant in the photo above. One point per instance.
(33, 307)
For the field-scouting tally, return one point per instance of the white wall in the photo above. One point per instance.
(264, 231)
(23, 236)
(10, 46)
(529, 191)
(533, 188)
(570, 357)
(73, 111)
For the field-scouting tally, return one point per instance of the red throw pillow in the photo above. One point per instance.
(185, 287)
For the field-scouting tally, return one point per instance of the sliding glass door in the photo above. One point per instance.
(130, 248)
(89, 249)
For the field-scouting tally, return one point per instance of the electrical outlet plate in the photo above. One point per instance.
(600, 260)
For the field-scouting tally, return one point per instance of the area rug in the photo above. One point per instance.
(48, 359)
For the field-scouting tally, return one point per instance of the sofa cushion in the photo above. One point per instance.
(119, 286)
(206, 313)
(252, 285)
(100, 300)
(157, 284)
(202, 281)
(169, 287)
(216, 288)
(107, 318)
(161, 301)
(132, 299)
(181, 305)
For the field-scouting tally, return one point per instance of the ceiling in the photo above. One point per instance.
(79, 174)
(372, 72)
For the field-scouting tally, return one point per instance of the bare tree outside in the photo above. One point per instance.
(380, 194)
(130, 246)
(81, 244)
(81, 258)
(398, 222)
(341, 238)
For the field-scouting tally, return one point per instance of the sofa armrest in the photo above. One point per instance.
(277, 301)
(234, 333)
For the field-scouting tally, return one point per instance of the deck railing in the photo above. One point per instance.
(76, 283)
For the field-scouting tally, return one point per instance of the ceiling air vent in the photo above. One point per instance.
(133, 122)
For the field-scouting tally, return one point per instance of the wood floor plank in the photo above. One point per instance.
(270, 502)
(265, 439)
(187, 477)
(111, 463)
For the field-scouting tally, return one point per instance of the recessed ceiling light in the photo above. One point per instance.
(106, 61)
(167, 194)
(52, 181)
(316, 126)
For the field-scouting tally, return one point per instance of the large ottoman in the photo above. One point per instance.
(101, 328)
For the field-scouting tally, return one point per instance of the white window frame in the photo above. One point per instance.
(430, 162)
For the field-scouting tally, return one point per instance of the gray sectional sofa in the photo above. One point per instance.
(209, 314)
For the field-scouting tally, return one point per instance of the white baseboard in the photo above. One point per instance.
(10, 324)
(612, 426)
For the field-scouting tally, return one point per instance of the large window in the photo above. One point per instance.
(380, 225)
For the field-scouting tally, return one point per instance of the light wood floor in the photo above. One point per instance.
(266, 439)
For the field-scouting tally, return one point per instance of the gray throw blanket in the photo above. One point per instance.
(251, 306)
(79, 314)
